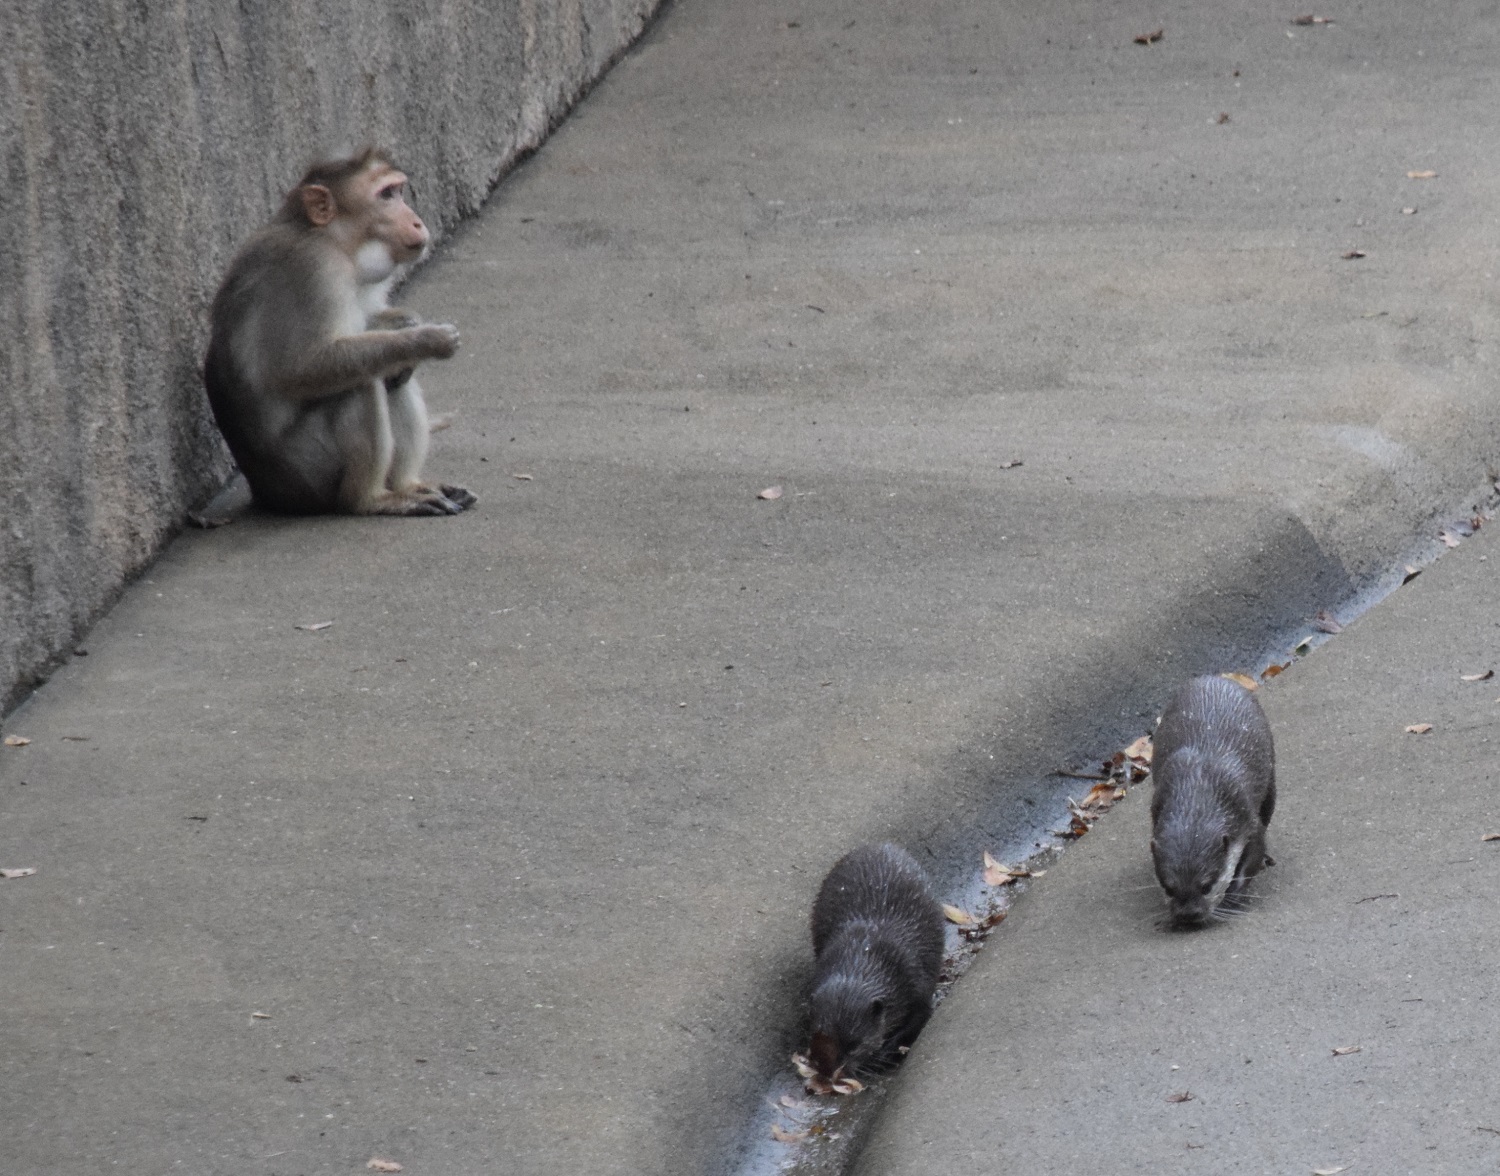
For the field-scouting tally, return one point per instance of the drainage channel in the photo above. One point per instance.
(794, 1133)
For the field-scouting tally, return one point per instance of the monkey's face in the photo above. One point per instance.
(369, 216)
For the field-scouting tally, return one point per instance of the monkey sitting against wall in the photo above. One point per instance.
(309, 371)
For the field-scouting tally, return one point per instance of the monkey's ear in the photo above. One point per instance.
(319, 205)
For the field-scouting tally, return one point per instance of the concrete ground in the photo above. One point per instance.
(515, 857)
(1374, 934)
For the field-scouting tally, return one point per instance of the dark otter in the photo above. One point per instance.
(878, 934)
(1213, 768)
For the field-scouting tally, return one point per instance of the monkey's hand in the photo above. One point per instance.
(437, 340)
(392, 319)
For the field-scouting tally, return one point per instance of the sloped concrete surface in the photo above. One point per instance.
(516, 856)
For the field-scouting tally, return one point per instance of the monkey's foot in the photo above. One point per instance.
(460, 497)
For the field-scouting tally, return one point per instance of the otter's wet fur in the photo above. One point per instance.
(1213, 768)
(878, 934)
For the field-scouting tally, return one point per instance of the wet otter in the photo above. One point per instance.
(877, 931)
(1214, 788)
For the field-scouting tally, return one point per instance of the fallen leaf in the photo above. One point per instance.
(1274, 671)
(1327, 622)
(439, 421)
(787, 1100)
(1449, 538)
(1421, 175)
(316, 626)
(1150, 38)
(956, 915)
(770, 493)
(803, 1067)
(16, 741)
(1419, 729)
(1312, 20)
(994, 873)
(523, 477)
(1484, 677)
(1102, 797)
(1351, 254)
(847, 1085)
(1343, 1051)
(1185, 1096)
(261, 1016)
(1010, 465)
(1490, 837)
(1140, 750)
(1244, 680)
(781, 1135)
(1330, 1171)
(19, 872)
(376, 1164)
(1411, 573)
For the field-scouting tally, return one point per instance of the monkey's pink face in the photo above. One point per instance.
(381, 195)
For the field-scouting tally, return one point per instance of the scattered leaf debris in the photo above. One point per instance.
(1101, 797)
(1484, 677)
(770, 493)
(995, 874)
(1411, 573)
(781, 1135)
(1419, 729)
(1490, 837)
(316, 626)
(16, 741)
(1185, 1096)
(1343, 1051)
(1421, 175)
(1150, 38)
(1353, 254)
(815, 1083)
(19, 872)
(1449, 538)
(1244, 680)
(376, 1164)
(1312, 20)
(958, 916)
(1274, 671)
(1327, 622)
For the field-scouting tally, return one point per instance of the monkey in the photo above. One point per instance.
(309, 371)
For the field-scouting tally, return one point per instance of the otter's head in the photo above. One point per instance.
(1195, 864)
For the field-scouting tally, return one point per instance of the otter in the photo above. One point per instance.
(1213, 772)
(877, 932)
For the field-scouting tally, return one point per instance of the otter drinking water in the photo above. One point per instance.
(1213, 769)
(878, 934)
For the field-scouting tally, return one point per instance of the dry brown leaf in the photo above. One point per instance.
(1244, 680)
(958, 916)
(1411, 573)
(1352, 254)
(1421, 175)
(1327, 622)
(19, 872)
(316, 626)
(16, 741)
(770, 493)
(781, 1135)
(1490, 837)
(1102, 797)
(1449, 538)
(1185, 1096)
(1140, 750)
(995, 874)
(1274, 671)
(1150, 38)
(1343, 1051)
(1484, 677)
(1419, 729)
(376, 1164)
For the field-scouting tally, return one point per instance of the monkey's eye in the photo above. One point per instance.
(390, 192)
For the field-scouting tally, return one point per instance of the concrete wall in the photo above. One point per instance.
(140, 141)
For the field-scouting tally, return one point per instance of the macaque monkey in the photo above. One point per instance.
(309, 371)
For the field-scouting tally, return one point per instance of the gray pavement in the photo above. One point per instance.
(516, 856)
(1375, 933)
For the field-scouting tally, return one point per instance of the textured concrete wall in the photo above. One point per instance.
(140, 141)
